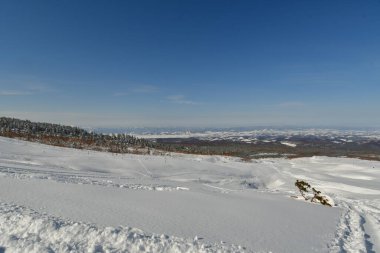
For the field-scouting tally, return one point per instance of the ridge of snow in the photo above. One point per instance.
(23, 229)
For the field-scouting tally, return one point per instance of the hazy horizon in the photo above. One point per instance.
(120, 128)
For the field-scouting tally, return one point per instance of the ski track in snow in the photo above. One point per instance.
(149, 174)
(20, 173)
(354, 185)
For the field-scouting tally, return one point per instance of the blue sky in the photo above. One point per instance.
(191, 63)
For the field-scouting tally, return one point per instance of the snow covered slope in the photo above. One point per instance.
(66, 200)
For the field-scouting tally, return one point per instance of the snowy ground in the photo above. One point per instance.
(252, 136)
(65, 200)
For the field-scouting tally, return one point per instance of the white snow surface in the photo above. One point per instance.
(65, 200)
(293, 145)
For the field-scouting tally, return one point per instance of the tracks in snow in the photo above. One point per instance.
(350, 236)
(359, 226)
(82, 178)
(147, 171)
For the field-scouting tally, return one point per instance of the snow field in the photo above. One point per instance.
(212, 198)
(24, 230)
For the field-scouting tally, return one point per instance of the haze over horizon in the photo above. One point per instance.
(191, 63)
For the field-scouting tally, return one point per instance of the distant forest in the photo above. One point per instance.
(73, 137)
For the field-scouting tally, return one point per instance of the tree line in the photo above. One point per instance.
(68, 136)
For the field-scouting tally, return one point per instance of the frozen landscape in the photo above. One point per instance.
(251, 134)
(189, 126)
(56, 199)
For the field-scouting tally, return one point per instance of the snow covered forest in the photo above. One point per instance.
(73, 137)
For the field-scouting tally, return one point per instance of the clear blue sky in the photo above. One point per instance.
(191, 63)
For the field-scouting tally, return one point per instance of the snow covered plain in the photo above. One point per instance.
(253, 136)
(64, 200)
